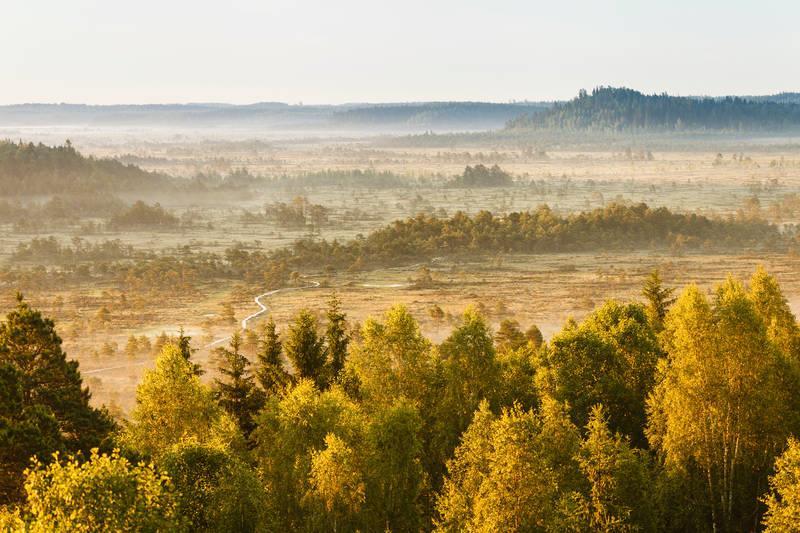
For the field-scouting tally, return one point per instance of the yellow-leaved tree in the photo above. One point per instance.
(719, 413)
(105, 493)
(173, 406)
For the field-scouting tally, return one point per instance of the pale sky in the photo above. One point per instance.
(334, 51)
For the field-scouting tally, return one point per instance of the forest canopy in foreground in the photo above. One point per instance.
(669, 414)
(621, 109)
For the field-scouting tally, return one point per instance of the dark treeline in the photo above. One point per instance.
(142, 215)
(51, 250)
(482, 176)
(666, 414)
(68, 208)
(28, 169)
(616, 227)
(613, 228)
(36, 169)
(620, 109)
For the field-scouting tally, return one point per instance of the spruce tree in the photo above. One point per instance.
(336, 337)
(271, 374)
(305, 350)
(659, 299)
(236, 392)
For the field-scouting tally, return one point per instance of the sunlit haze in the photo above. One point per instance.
(314, 51)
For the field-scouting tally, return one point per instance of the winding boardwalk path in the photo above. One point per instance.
(258, 300)
(246, 321)
(264, 308)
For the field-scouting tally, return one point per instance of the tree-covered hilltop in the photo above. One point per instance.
(622, 109)
(32, 169)
(440, 115)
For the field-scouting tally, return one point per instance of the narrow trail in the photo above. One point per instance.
(245, 321)
(264, 308)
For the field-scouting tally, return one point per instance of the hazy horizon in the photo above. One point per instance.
(101, 53)
(376, 103)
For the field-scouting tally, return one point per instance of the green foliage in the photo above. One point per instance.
(659, 299)
(184, 344)
(141, 215)
(29, 169)
(290, 430)
(236, 391)
(621, 486)
(482, 176)
(393, 358)
(105, 493)
(395, 478)
(336, 482)
(305, 349)
(336, 337)
(469, 376)
(45, 407)
(608, 359)
(270, 372)
(172, 405)
(534, 337)
(509, 336)
(215, 490)
(511, 472)
(25, 432)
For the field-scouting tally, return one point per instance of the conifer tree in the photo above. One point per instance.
(304, 348)
(659, 299)
(270, 372)
(336, 337)
(46, 399)
(236, 392)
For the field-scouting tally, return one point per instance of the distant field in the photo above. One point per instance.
(542, 290)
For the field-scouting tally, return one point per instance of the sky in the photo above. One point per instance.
(336, 51)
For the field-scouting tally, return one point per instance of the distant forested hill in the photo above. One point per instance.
(436, 115)
(620, 109)
(405, 117)
(32, 169)
(780, 98)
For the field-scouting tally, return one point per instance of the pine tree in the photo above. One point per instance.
(271, 374)
(659, 299)
(305, 349)
(46, 396)
(336, 337)
(236, 392)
